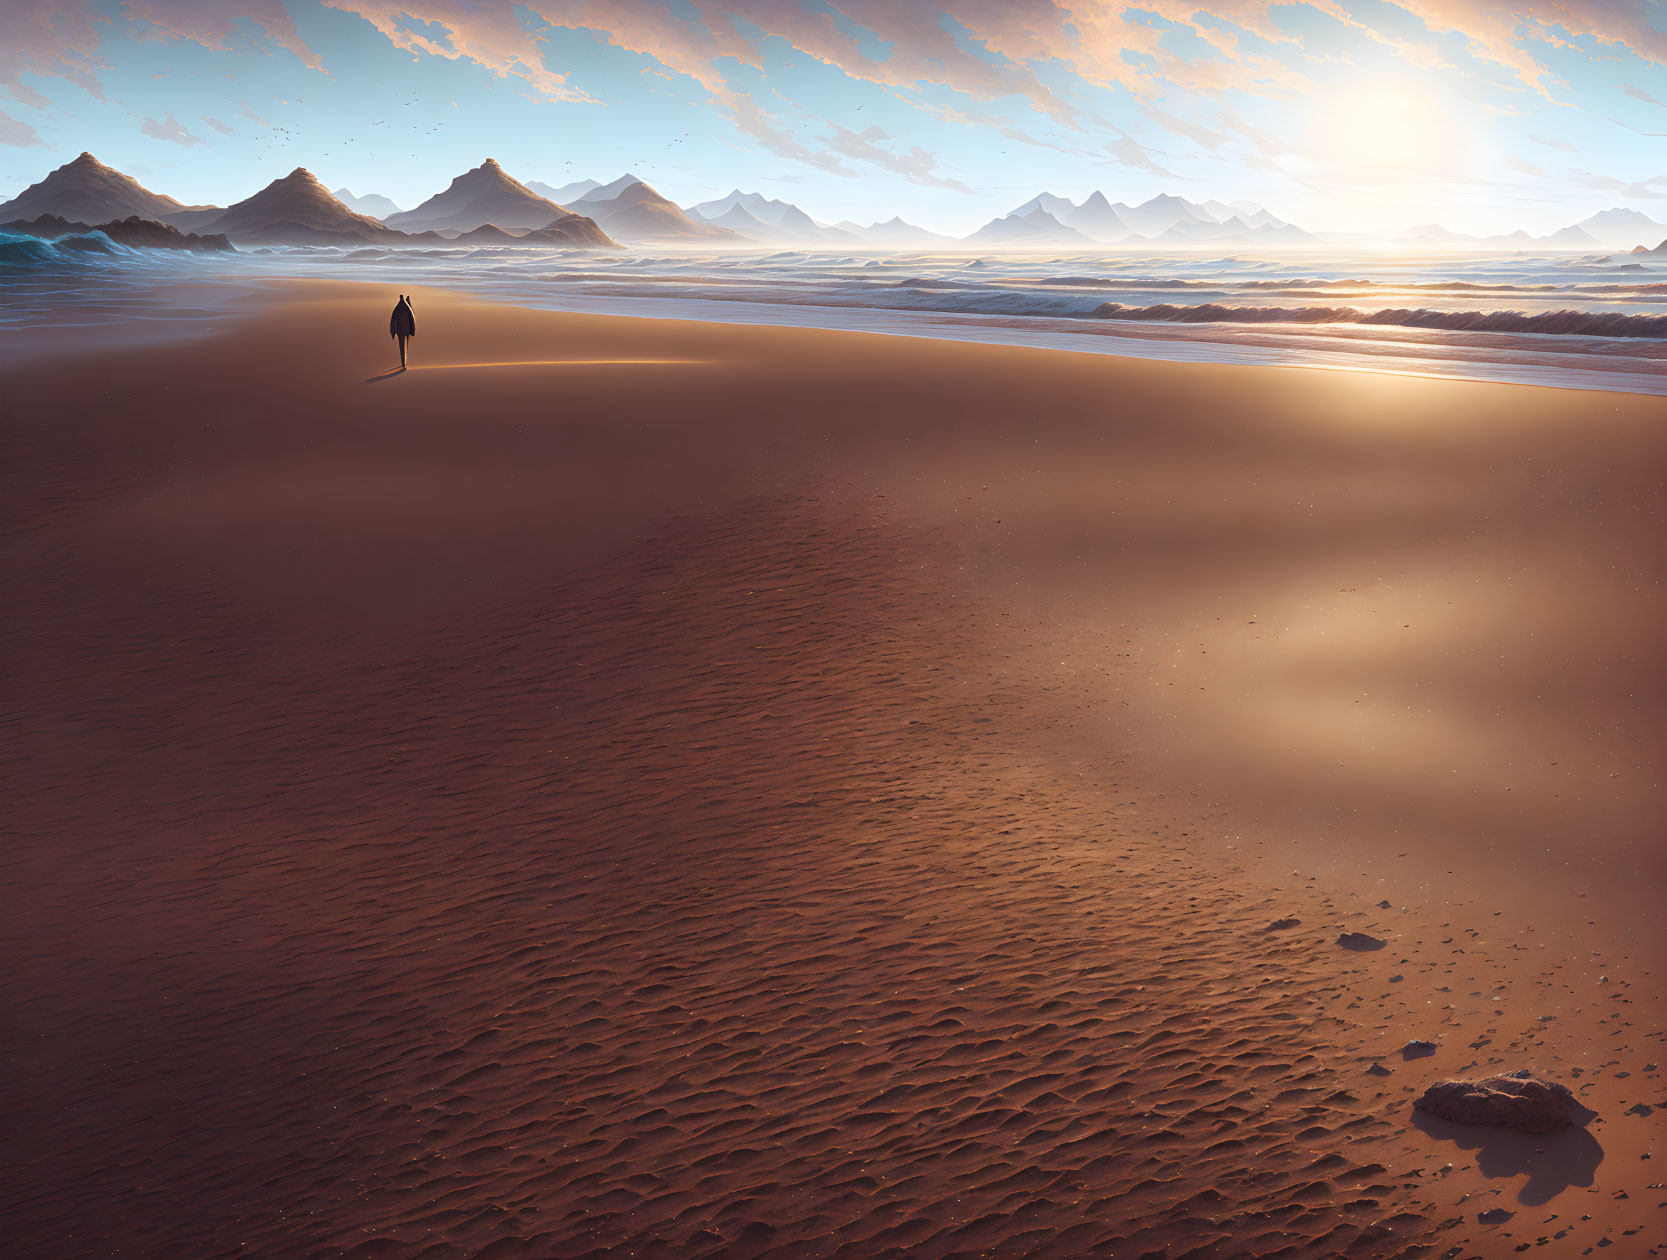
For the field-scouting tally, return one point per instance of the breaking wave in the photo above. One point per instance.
(18, 250)
(1557, 323)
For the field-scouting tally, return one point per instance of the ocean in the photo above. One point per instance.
(1586, 321)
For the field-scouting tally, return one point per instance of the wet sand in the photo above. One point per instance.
(708, 790)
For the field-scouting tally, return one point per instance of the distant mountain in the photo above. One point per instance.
(486, 234)
(475, 198)
(1055, 205)
(607, 192)
(894, 233)
(1098, 218)
(1571, 237)
(87, 191)
(373, 204)
(1035, 227)
(638, 214)
(742, 222)
(567, 194)
(764, 219)
(757, 206)
(1164, 219)
(1434, 234)
(571, 231)
(1162, 213)
(1620, 226)
(133, 231)
(296, 210)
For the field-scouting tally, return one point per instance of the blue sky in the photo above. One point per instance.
(1336, 115)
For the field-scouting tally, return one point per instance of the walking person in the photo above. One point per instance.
(403, 325)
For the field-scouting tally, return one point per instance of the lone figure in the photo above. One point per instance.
(402, 325)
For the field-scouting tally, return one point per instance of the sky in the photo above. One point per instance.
(1338, 115)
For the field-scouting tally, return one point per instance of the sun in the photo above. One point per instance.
(1386, 131)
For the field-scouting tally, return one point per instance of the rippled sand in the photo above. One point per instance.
(739, 804)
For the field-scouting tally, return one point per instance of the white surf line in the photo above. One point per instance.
(448, 367)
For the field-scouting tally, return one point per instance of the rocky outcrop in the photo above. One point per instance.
(133, 231)
(1519, 1101)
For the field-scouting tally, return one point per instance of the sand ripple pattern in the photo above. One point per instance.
(645, 915)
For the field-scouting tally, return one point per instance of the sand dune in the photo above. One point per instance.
(737, 804)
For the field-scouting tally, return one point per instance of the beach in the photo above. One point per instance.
(631, 786)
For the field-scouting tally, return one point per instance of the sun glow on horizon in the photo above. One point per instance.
(1385, 142)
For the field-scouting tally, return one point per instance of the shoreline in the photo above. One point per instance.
(1543, 360)
(878, 645)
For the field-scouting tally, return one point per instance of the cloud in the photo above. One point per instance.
(492, 34)
(990, 49)
(1631, 188)
(1637, 131)
(170, 130)
(917, 165)
(217, 125)
(1042, 53)
(1563, 145)
(18, 134)
(51, 39)
(1127, 151)
(211, 23)
(980, 60)
(1639, 94)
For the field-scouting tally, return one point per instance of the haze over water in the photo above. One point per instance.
(1427, 313)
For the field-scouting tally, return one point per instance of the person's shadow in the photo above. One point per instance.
(1552, 1161)
(382, 376)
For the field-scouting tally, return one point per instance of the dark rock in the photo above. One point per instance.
(1360, 942)
(1519, 1101)
(1280, 925)
(132, 231)
(1418, 1049)
(1494, 1216)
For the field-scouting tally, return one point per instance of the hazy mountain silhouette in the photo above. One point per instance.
(1098, 218)
(1620, 226)
(87, 191)
(761, 219)
(486, 234)
(567, 194)
(1163, 219)
(766, 210)
(896, 233)
(639, 214)
(487, 194)
(373, 204)
(572, 230)
(607, 192)
(1054, 204)
(740, 220)
(1034, 227)
(296, 209)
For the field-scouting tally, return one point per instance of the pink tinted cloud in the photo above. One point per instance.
(987, 50)
(212, 22)
(51, 39)
(490, 34)
(60, 39)
(171, 130)
(17, 134)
